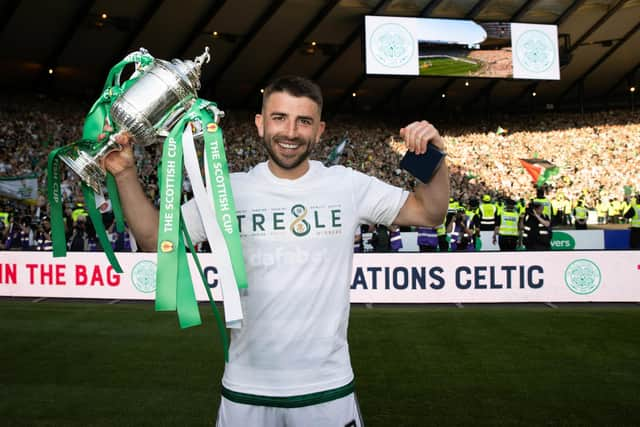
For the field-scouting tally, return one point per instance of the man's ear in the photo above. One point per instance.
(259, 125)
(320, 130)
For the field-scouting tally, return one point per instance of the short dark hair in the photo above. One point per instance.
(296, 86)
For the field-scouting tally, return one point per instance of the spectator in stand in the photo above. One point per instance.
(79, 239)
(43, 235)
(19, 236)
(633, 215)
(473, 222)
(431, 239)
(458, 231)
(380, 239)
(3, 234)
(395, 238)
(358, 246)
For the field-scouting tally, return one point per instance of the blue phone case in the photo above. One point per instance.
(423, 166)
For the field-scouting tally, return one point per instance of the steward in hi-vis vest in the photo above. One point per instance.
(633, 215)
(488, 212)
(580, 214)
(507, 230)
(547, 208)
(602, 209)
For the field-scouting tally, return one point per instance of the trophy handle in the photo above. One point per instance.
(134, 57)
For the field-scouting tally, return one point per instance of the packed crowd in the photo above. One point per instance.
(596, 152)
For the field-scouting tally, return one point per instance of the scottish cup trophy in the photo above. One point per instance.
(148, 109)
(158, 103)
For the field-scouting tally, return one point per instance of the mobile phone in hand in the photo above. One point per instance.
(423, 166)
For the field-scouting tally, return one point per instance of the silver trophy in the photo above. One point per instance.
(148, 110)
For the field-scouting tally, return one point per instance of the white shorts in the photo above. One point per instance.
(342, 412)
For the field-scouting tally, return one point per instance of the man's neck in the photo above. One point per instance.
(292, 174)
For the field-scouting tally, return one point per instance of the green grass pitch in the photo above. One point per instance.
(94, 364)
(447, 67)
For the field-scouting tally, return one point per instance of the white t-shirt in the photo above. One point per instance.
(297, 240)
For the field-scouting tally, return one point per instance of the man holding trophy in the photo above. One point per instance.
(289, 361)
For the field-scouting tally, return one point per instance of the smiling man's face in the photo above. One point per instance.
(290, 126)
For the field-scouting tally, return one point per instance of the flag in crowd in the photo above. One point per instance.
(23, 187)
(540, 170)
(334, 156)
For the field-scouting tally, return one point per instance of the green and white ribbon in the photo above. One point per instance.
(174, 287)
(98, 225)
(221, 326)
(54, 195)
(223, 233)
(220, 193)
(216, 201)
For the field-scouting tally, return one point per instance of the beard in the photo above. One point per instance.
(284, 160)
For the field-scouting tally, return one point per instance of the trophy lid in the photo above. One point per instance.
(191, 70)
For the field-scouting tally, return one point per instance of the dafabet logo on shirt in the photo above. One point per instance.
(299, 219)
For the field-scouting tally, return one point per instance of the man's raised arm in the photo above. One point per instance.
(139, 212)
(427, 204)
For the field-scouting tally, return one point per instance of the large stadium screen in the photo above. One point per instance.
(460, 48)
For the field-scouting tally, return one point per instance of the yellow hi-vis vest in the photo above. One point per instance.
(613, 206)
(602, 208)
(488, 212)
(558, 205)
(4, 217)
(635, 220)
(581, 212)
(617, 207)
(508, 223)
(78, 212)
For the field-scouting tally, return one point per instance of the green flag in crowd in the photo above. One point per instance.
(334, 156)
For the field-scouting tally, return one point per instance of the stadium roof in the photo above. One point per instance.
(255, 40)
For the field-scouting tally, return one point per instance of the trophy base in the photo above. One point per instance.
(87, 169)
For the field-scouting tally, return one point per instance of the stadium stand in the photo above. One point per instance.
(594, 151)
